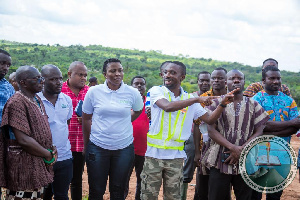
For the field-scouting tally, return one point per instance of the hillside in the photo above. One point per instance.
(135, 62)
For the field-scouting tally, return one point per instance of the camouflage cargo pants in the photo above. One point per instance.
(156, 170)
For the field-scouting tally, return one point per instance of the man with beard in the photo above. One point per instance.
(76, 89)
(218, 82)
(241, 121)
(27, 139)
(254, 88)
(172, 114)
(59, 110)
(282, 110)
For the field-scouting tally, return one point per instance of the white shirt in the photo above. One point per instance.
(58, 116)
(111, 122)
(194, 112)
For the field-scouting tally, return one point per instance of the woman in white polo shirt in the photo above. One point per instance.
(108, 110)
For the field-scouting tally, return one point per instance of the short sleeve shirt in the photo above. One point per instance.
(111, 122)
(24, 170)
(140, 130)
(194, 112)
(75, 128)
(280, 107)
(6, 91)
(58, 116)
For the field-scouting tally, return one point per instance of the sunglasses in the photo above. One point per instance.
(38, 80)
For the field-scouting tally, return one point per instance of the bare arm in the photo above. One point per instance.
(135, 114)
(274, 126)
(217, 137)
(282, 133)
(197, 139)
(148, 112)
(234, 150)
(178, 105)
(79, 119)
(211, 118)
(258, 131)
(31, 146)
(86, 129)
(175, 105)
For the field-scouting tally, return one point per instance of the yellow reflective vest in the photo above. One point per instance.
(168, 137)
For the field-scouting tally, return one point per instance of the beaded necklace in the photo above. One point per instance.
(37, 104)
(236, 111)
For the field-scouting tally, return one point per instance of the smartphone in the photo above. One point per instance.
(224, 156)
(78, 109)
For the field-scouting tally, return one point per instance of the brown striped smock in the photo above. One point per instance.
(237, 129)
(20, 170)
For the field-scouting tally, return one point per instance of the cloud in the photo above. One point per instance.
(241, 31)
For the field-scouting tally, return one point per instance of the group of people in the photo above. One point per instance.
(51, 128)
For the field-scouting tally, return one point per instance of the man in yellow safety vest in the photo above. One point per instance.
(172, 113)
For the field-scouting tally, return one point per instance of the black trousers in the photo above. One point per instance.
(138, 165)
(76, 183)
(63, 172)
(201, 190)
(220, 185)
(189, 164)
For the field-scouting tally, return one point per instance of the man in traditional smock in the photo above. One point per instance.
(27, 140)
(241, 121)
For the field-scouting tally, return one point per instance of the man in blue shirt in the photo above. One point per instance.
(6, 89)
(59, 110)
(282, 110)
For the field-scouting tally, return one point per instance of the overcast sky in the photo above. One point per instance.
(247, 32)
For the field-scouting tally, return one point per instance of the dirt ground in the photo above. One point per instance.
(292, 192)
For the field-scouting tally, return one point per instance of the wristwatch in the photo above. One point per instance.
(222, 105)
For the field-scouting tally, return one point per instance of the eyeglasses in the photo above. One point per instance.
(38, 80)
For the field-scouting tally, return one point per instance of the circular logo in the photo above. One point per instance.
(268, 164)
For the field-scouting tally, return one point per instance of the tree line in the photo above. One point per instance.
(134, 61)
